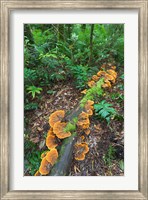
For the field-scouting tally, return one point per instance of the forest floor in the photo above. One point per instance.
(106, 143)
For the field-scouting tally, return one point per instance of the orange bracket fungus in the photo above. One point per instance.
(109, 78)
(51, 141)
(45, 166)
(83, 120)
(57, 116)
(89, 107)
(112, 72)
(107, 84)
(58, 129)
(52, 156)
(95, 78)
(81, 150)
(87, 131)
(50, 132)
(84, 91)
(43, 154)
(91, 83)
(100, 73)
(37, 173)
(113, 67)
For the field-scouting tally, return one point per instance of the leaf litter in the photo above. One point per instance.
(101, 136)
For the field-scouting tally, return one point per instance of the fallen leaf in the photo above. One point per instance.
(76, 169)
(38, 113)
(98, 127)
(42, 143)
(39, 129)
(35, 140)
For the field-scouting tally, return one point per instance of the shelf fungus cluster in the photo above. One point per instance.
(80, 150)
(83, 118)
(48, 160)
(61, 129)
(55, 133)
(83, 124)
(109, 76)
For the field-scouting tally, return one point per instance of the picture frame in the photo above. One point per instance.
(6, 7)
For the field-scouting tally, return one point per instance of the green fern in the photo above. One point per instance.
(92, 92)
(104, 110)
(33, 90)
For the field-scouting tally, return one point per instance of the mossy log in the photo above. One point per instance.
(63, 164)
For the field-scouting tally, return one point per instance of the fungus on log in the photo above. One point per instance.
(81, 150)
(95, 78)
(83, 121)
(89, 107)
(37, 173)
(50, 132)
(63, 163)
(45, 166)
(87, 131)
(107, 84)
(52, 156)
(112, 72)
(109, 78)
(84, 91)
(62, 166)
(57, 116)
(101, 73)
(91, 83)
(43, 154)
(58, 129)
(51, 141)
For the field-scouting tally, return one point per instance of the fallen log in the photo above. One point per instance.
(63, 164)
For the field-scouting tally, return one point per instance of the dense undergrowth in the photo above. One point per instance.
(57, 56)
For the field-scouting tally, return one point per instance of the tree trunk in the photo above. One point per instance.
(61, 35)
(91, 43)
(28, 33)
(69, 30)
(83, 26)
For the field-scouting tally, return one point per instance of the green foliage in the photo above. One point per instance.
(71, 126)
(33, 90)
(30, 76)
(32, 157)
(110, 155)
(122, 76)
(92, 92)
(118, 97)
(79, 74)
(31, 106)
(120, 86)
(58, 53)
(74, 120)
(51, 92)
(119, 117)
(104, 110)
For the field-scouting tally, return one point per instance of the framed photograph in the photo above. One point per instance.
(74, 99)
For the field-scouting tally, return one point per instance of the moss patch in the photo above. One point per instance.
(92, 92)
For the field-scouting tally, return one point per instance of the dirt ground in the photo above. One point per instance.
(102, 140)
